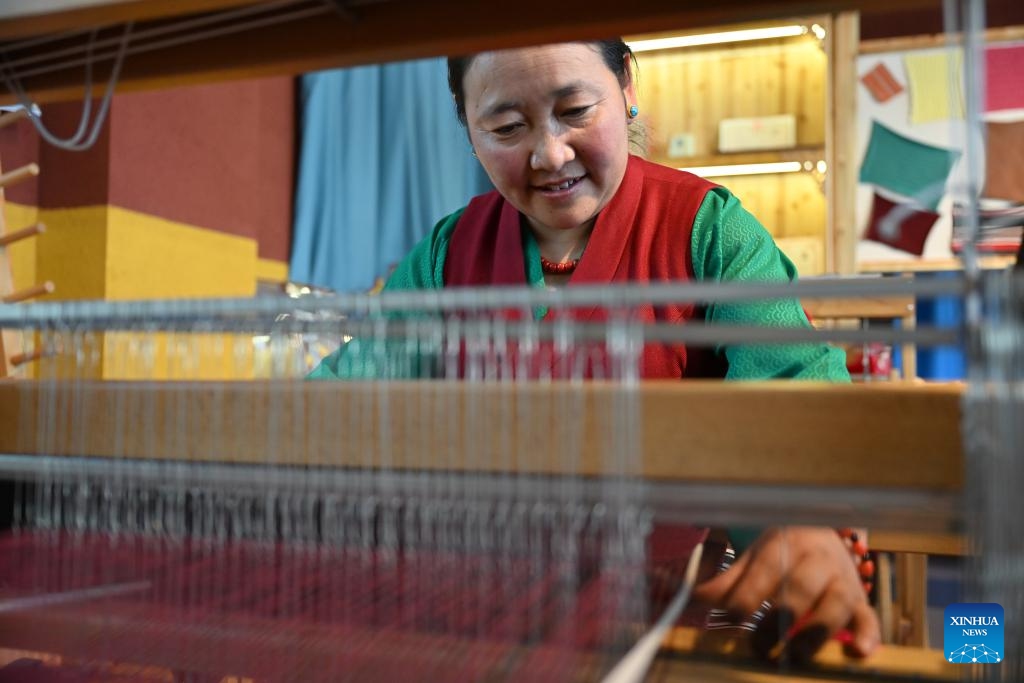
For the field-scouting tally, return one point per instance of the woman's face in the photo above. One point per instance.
(549, 126)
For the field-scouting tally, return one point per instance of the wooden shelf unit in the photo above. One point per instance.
(691, 90)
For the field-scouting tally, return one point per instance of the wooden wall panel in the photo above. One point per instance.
(691, 90)
(788, 204)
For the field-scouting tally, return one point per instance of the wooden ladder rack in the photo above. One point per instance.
(12, 353)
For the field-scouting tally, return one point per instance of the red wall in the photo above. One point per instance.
(929, 20)
(215, 156)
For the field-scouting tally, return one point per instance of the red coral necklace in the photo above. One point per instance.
(558, 268)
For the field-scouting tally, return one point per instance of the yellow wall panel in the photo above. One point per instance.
(72, 252)
(106, 252)
(193, 356)
(22, 255)
(154, 258)
(269, 270)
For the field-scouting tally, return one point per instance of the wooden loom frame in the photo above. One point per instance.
(368, 32)
(888, 436)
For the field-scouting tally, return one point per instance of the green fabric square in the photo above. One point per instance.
(907, 167)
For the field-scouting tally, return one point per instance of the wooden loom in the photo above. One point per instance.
(825, 438)
(800, 423)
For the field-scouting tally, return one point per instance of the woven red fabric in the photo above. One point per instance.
(287, 612)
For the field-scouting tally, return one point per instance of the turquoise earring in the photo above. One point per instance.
(634, 111)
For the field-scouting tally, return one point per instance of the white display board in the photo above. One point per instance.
(948, 133)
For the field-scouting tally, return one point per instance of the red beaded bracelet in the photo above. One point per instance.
(861, 557)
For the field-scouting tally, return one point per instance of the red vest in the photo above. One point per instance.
(642, 235)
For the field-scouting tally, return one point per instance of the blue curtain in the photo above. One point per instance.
(381, 159)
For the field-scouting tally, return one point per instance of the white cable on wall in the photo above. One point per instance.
(13, 70)
(166, 35)
(75, 143)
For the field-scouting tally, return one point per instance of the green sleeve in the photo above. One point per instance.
(729, 245)
(422, 268)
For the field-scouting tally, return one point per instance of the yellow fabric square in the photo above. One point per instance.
(935, 86)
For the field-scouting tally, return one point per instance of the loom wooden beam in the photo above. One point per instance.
(788, 433)
(717, 646)
(381, 31)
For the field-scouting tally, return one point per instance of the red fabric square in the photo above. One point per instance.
(1004, 78)
(912, 229)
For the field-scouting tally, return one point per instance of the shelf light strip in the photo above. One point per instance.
(716, 38)
(745, 169)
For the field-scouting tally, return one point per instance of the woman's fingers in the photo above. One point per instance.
(775, 563)
(867, 632)
(807, 575)
(716, 590)
(838, 608)
(807, 584)
(741, 589)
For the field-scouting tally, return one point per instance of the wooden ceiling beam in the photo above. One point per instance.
(394, 30)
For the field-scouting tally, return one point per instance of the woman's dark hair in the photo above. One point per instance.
(612, 53)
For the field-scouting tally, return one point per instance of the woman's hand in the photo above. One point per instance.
(809, 577)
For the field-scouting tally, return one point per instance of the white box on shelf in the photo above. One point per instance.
(682, 145)
(758, 132)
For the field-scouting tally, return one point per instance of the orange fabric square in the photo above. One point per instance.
(880, 82)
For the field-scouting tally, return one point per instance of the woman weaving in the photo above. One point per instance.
(550, 126)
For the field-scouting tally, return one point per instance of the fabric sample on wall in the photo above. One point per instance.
(935, 80)
(880, 82)
(1004, 160)
(908, 233)
(1008, 215)
(906, 167)
(1004, 78)
(1000, 225)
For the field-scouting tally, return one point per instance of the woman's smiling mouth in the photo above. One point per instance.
(560, 186)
